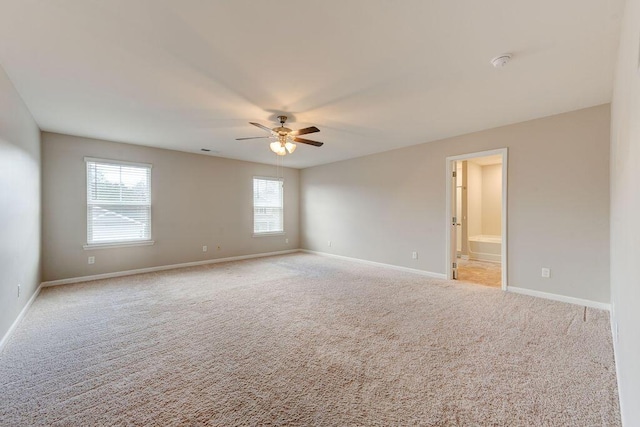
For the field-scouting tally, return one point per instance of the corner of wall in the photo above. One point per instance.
(20, 197)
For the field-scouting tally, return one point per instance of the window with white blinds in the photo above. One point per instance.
(268, 205)
(118, 202)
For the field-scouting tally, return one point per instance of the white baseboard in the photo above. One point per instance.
(561, 298)
(15, 323)
(160, 268)
(380, 264)
(484, 256)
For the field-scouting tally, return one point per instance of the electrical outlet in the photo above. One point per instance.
(546, 272)
(204, 248)
(18, 290)
(286, 240)
(414, 255)
(329, 243)
(91, 260)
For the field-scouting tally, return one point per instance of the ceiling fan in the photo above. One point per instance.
(285, 137)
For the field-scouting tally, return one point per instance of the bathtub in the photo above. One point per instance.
(485, 248)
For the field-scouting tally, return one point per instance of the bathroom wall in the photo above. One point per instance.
(474, 199)
(491, 200)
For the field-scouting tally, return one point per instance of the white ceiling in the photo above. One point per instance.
(373, 75)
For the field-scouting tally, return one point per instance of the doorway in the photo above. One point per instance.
(477, 218)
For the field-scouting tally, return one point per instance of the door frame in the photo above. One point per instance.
(449, 214)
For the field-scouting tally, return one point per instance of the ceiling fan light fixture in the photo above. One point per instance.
(283, 138)
(277, 148)
(290, 146)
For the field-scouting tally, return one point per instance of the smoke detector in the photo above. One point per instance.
(501, 60)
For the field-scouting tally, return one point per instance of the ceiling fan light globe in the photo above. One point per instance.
(277, 148)
(291, 147)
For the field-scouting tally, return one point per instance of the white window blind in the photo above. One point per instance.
(268, 205)
(118, 202)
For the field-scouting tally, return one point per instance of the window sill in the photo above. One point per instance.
(275, 233)
(117, 245)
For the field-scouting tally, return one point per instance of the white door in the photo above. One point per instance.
(454, 223)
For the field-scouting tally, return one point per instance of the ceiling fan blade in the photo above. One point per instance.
(304, 131)
(261, 126)
(308, 141)
(252, 137)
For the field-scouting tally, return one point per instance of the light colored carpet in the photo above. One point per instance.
(304, 340)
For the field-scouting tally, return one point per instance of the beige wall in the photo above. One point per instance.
(196, 200)
(19, 204)
(625, 207)
(474, 199)
(384, 206)
(492, 200)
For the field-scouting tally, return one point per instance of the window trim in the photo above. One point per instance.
(119, 163)
(253, 208)
(269, 233)
(118, 243)
(89, 247)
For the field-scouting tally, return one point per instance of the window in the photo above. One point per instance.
(267, 206)
(118, 202)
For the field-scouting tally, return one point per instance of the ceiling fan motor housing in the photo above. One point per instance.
(282, 130)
